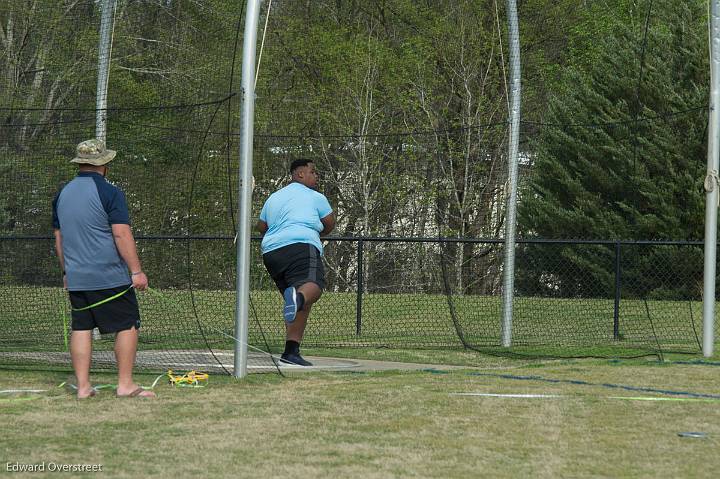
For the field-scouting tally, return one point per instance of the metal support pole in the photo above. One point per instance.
(104, 53)
(247, 112)
(616, 312)
(360, 286)
(511, 199)
(711, 184)
(107, 20)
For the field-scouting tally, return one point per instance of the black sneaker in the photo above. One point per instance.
(294, 359)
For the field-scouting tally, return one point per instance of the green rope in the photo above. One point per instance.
(65, 328)
(106, 300)
(18, 399)
(98, 387)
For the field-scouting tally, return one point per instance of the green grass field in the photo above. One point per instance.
(172, 319)
(390, 424)
(379, 425)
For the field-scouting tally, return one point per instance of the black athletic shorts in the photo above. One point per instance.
(295, 265)
(117, 315)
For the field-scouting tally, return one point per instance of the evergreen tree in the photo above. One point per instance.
(622, 152)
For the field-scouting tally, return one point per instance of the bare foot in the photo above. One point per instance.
(134, 392)
(86, 393)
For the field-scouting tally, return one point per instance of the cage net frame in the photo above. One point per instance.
(419, 194)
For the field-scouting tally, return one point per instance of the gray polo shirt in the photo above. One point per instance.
(84, 211)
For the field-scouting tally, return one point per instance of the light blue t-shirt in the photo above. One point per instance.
(293, 216)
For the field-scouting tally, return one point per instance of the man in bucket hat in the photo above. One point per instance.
(100, 266)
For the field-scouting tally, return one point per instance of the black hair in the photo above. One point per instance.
(298, 163)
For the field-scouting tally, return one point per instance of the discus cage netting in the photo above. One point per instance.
(404, 108)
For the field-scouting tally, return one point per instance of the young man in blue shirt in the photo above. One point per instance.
(99, 261)
(292, 221)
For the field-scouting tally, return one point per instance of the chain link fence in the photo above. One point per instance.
(406, 117)
(389, 293)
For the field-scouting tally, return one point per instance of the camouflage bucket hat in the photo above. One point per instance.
(93, 152)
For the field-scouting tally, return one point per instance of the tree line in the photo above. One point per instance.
(404, 106)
